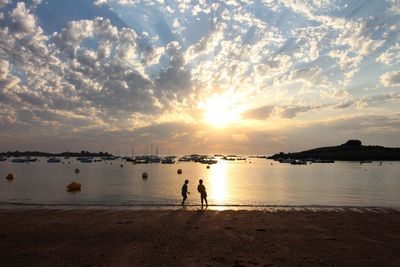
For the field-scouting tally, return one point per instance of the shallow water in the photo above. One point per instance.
(261, 183)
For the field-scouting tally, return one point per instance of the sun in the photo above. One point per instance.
(220, 111)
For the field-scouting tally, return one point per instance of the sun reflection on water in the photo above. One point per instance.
(218, 177)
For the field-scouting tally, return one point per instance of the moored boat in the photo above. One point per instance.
(53, 160)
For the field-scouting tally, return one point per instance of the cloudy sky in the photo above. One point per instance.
(232, 76)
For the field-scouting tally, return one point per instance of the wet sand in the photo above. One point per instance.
(87, 237)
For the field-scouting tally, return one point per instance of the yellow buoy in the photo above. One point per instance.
(179, 171)
(145, 175)
(72, 187)
(10, 176)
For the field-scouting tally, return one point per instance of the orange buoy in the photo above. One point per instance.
(10, 177)
(179, 171)
(72, 187)
(76, 170)
(145, 175)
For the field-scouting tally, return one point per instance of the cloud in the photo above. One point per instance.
(260, 113)
(390, 79)
(391, 56)
(335, 94)
(4, 3)
(274, 59)
(293, 111)
(100, 2)
(22, 22)
(395, 6)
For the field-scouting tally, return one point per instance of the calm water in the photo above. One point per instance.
(227, 183)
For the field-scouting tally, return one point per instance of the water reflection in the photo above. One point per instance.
(218, 178)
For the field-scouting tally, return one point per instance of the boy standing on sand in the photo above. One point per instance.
(203, 194)
(185, 191)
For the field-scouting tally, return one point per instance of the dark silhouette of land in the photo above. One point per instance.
(352, 150)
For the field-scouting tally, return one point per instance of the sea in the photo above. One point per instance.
(250, 183)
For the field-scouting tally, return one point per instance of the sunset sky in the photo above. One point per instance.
(244, 77)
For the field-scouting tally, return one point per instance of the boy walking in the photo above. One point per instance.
(203, 194)
(185, 192)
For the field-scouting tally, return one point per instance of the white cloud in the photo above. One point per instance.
(336, 94)
(390, 79)
(395, 6)
(4, 3)
(22, 22)
(391, 56)
(100, 2)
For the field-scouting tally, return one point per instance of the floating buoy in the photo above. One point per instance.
(10, 177)
(208, 166)
(76, 170)
(145, 175)
(121, 165)
(72, 187)
(179, 171)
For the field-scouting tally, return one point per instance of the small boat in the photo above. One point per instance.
(185, 159)
(365, 161)
(285, 160)
(229, 158)
(168, 160)
(3, 158)
(324, 161)
(109, 158)
(86, 160)
(209, 161)
(298, 162)
(19, 160)
(53, 160)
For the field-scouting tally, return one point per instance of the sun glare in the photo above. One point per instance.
(219, 111)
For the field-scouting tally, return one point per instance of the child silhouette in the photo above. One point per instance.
(203, 194)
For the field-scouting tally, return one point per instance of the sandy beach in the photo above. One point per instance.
(94, 237)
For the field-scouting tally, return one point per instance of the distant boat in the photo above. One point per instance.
(53, 160)
(3, 158)
(285, 160)
(298, 162)
(185, 159)
(324, 161)
(229, 158)
(365, 161)
(168, 160)
(209, 161)
(86, 160)
(19, 160)
(109, 158)
(31, 159)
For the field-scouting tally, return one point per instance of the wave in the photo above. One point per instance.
(194, 206)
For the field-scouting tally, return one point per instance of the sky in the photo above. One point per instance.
(198, 76)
